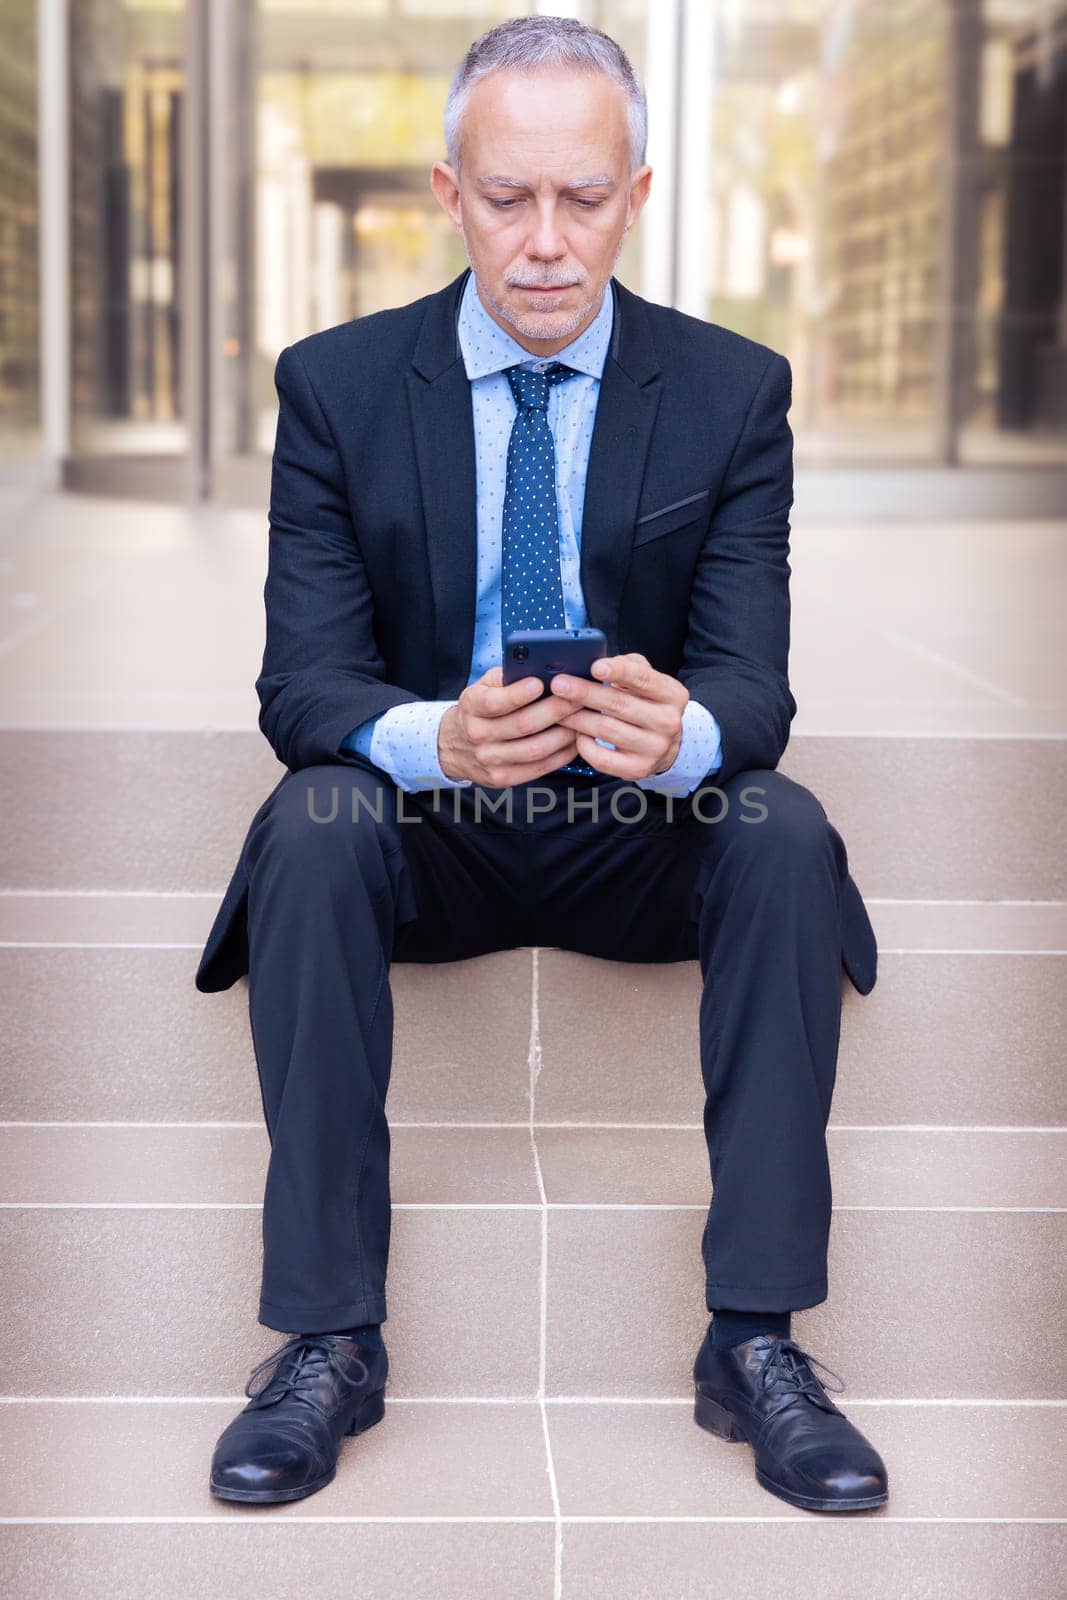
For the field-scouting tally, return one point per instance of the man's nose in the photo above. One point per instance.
(546, 239)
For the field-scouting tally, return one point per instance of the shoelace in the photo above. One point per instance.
(303, 1348)
(788, 1363)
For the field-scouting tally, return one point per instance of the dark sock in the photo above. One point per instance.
(368, 1333)
(731, 1327)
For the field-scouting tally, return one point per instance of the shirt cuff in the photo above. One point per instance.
(699, 754)
(403, 742)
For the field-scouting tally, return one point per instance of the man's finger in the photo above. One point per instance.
(632, 671)
(633, 674)
(540, 712)
(615, 763)
(526, 751)
(613, 699)
(497, 699)
(633, 736)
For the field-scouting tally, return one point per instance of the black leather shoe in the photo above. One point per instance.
(284, 1444)
(807, 1452)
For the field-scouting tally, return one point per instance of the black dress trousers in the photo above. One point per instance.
(347, 874)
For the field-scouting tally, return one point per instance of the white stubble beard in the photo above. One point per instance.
(532, 327)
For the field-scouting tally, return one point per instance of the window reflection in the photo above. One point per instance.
(887, 208)
(20, 367)
(881, 195)
(335, 121)
(127, 81)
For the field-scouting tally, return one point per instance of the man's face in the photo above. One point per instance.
(541, 239)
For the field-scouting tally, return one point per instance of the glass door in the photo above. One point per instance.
(129, 394)
(328, 118)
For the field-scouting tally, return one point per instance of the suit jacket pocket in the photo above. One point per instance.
(678, 514)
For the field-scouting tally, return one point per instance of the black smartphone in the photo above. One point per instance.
(542, 652)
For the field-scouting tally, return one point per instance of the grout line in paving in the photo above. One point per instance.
(169, 944)
(482, 1205)
(216, 894)
(97, 944)
(131, 894)
(893, 900)
(222, 1520)
(906, 642)
(686, 1127)
(542, 1353)
(957, 950)
(973, 1402)
(1003, 735)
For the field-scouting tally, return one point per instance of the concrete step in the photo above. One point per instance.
(529, 1156)
(577, 1164)
(947, 1036)
(392, 1558)
(611, 1458)
(545, 1284)
(156, 1294)
(922, 817)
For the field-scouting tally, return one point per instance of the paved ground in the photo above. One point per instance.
(544, 1446)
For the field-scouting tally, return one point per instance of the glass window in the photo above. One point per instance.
(20, 369)
(334, 119)
(1012, 373)
(877, 188)
(127, 80)
(887, 209)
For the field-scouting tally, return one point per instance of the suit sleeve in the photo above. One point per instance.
(736, 653)
(322, 672)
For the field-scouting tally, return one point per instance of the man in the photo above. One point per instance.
(439, 477)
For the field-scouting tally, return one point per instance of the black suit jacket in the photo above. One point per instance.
(370, 593)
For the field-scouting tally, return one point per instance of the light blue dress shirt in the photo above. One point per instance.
(403, 740)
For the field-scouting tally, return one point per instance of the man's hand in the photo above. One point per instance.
(639, 711)
(499, 735)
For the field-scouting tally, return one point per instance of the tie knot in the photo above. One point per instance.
(531, 387)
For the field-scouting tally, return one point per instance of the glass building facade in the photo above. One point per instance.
(876, 188)
(20, 364)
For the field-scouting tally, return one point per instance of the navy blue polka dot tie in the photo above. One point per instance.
(531, 585)
(531, 582)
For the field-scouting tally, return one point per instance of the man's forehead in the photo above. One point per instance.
(500, 180)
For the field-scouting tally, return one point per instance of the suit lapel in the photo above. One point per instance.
(630, 389)
(442, 420)
(443, 426)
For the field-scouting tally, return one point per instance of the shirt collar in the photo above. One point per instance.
(488, 348)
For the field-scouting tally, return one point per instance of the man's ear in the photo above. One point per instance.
(444, 181)
(639, 188)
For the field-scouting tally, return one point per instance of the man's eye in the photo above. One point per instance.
(587, 205)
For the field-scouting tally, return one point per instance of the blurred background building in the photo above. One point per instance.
(874, 187)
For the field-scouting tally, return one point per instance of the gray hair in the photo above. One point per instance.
(522, 44)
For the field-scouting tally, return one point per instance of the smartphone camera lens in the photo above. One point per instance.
(521, 652)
